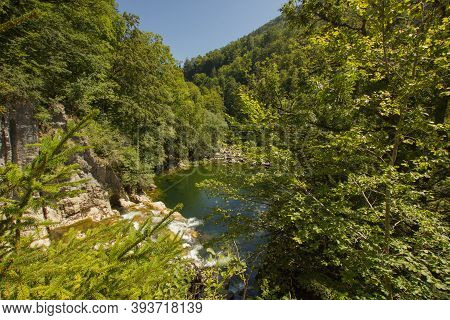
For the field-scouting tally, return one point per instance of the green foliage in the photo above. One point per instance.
(216, 280)
(345, 102)
(93, 267)
(41, 183)
(357, 142)
(101, 60)
(120, 154)
(235, 64)
(251, 109)
(111, 261)
(17, 21)
(86, 56)
(114, 260)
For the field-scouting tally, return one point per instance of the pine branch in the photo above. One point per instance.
(145, 233)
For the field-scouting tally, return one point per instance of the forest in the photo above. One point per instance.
(340, 109)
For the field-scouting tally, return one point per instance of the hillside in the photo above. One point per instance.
(91, 107)
(258, 45)
(346, 107)
(236, 64)
(321, 138)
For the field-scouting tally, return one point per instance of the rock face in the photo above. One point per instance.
(159, 206)
(103, 173)
(19, 129)
(92, 203)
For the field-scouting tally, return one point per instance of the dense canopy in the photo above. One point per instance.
(339, 107)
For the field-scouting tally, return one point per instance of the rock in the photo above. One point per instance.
(140, 206)
(156, 220)
(229, 156)
(59, 116)
(178, 217)
(40, 243)
(160, 206)
(126, 204)
(22, 131)
(95, 214)
(131, 215)
(194, 234)
(52, 215)
(92, 203)
(183, 165)
(140, 199)
(103, 173)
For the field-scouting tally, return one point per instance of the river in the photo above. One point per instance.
(180, 186)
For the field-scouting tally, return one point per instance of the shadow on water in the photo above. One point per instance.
(181, 187)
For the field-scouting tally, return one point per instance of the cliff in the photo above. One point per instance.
(101, 188)
(20, 130)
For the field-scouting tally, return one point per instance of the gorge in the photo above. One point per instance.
(310, 156)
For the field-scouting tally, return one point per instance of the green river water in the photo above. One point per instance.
(180, 186)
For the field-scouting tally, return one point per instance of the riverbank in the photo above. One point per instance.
(138, 209)
(220, 214)
(225, 154)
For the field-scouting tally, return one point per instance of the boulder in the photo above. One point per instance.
(144, 199)
(125, 204)
(178, 217)
(160, 206)
(40, 243)
(156, 220)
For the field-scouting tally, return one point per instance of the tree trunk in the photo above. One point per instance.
(45, 214)
(388, 208)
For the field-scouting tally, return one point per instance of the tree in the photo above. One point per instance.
(356, 151)
(41, 183)
(113, 260)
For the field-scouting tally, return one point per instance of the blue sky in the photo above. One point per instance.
(193, 27)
